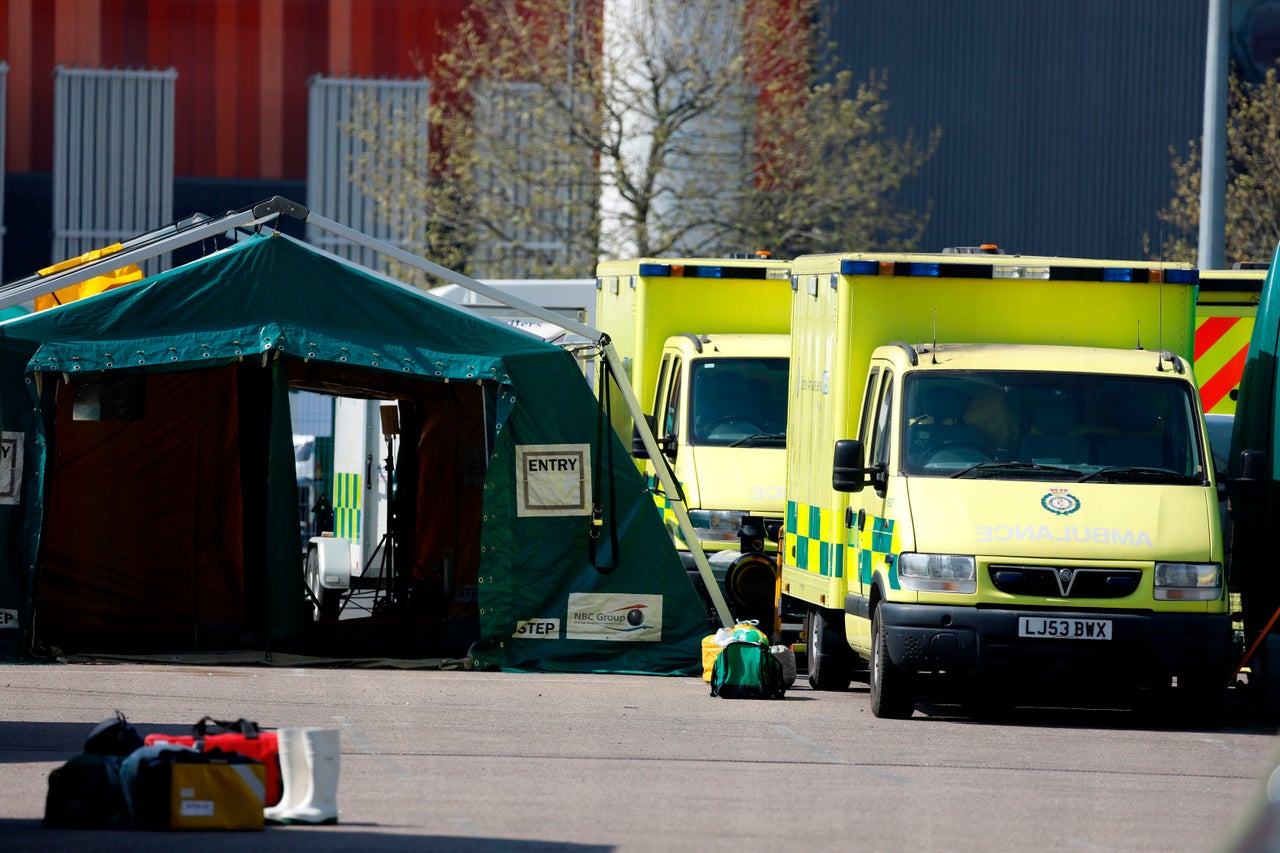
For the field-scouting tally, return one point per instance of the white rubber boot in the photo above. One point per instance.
(319, 803)
(295, 775)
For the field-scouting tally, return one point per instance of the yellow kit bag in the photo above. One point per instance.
(217, 796)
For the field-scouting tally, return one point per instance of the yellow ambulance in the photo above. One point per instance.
(997, 469)
(705, 346)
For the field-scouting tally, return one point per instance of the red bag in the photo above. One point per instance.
(242, 736)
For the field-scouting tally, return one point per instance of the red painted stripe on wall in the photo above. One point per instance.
(247, 95)
(339, 62)
(362, 43)
(199, 66)
(17, 18)
(271, 88)
(226, 71)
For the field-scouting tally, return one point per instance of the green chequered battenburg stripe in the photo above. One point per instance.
(877, 543)
(882, 535)
(347, 493)
(813, 547)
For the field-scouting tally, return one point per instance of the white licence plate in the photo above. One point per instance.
(1064, 629)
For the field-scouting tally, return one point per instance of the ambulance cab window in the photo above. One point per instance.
(671, 409)
(878, 453)
(658, 389)
(864, 429)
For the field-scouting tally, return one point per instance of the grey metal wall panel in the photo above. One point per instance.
(112, 157)
(333, 106)
(1057, 116)
(505, 116)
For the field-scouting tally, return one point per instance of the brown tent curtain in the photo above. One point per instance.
(143, 535)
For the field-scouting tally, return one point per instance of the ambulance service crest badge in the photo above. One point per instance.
(1060, 502)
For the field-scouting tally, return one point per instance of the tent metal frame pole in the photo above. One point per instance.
(135, 250)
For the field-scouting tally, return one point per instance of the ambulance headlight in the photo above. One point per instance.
(716, 525)
(937, 572)
(1188, 581)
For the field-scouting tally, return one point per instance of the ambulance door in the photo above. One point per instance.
(866, 518)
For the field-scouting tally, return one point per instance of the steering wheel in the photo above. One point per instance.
(740, 424)
(956, 452)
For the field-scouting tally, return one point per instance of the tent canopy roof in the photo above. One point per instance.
(265, 294)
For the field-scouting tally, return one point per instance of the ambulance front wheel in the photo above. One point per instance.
(892, 689)
(829, 659)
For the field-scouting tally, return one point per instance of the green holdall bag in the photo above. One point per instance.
(746, 670)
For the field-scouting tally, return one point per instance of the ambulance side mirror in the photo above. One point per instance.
(638, 449)
(667, 443)
(848, 466)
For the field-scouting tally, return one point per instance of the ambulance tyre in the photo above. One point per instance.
(829, 659)
(892, 689)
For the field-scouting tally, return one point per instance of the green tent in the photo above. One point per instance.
(149, 503)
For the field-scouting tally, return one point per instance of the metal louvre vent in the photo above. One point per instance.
(112, 157)
(342, 117)
(1064, 582)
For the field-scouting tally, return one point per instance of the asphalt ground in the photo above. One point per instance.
(480, 761)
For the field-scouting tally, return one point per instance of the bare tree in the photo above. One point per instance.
(1252, 202)
(566, 130)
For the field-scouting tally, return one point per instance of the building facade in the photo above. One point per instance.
(1058, 117)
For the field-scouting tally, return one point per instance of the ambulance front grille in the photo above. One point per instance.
(1064, 582)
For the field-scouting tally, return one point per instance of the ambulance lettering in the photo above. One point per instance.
(1044, 533)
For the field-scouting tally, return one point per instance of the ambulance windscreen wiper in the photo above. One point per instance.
(1137, 473)
(986, 469)
(760, 437)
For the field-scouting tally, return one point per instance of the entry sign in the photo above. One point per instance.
(10, 467)
(553, 479)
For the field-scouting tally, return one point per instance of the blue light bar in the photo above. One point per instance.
(709, 272)
(851, 267)
(662, 270)
(1182, 276)
(1117, 274)
(923, 269)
